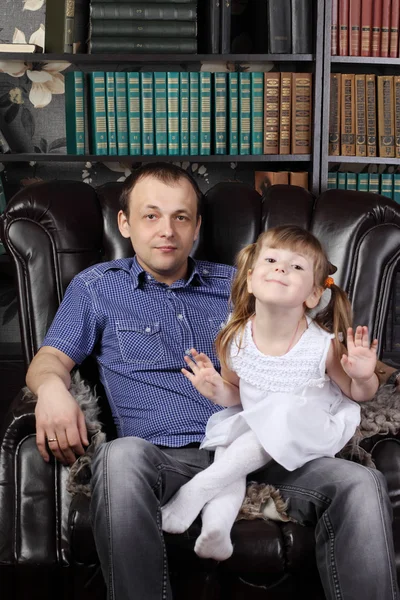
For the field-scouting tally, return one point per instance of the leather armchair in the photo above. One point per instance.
(54, 230)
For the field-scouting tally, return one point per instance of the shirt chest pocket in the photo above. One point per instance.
(140, 342)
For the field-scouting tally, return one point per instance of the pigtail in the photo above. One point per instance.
(242, 302)
(336, 316)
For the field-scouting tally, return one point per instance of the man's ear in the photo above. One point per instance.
(123, 224)
(314, 298)
(197, 230)
(249, 287)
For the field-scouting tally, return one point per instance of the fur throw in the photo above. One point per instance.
(379, 416)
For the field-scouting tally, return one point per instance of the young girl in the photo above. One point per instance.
(297, 385)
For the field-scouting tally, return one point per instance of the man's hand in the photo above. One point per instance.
(60, 423)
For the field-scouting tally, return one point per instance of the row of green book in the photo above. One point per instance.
(386, 184)
(166, 113)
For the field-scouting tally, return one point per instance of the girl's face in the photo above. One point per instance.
(284, 278)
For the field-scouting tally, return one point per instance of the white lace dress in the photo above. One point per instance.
(289, 402)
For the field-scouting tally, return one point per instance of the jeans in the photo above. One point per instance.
(346, 502)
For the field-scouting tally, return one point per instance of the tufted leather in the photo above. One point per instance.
(54, 230)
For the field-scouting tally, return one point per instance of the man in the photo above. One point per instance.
(139, 317)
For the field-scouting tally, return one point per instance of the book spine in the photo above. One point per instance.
(342, 181)
(351, 181)
(300, 179)
(184, 113)
(376, 27)
(122, 113)
(394, 29)
(361, 122)
(366, 27)
(142, 45)
(205, 113)
(387, 185)
(385, 28)
(74, 112)
(386, 117)
(281, 178)
(244, 113)
(98, 113)
(334, 115)
(4, 145)
(257, 112)
(173, 113)
(213, 20)
(220, 113)
(396, 188)
(285, 119)
(279, 26)
(355, 27)
(134, 114)
(3, 202)
(138, 29)
(370, 84)
(147, 104)
(111, 120)
(348, 121)
(262, 180)
(233, 114)
(362, 182)
(396, 85)
(194, 105)
(332, 181)
(59, 28)
(301, 112)
(80, 33)
(271, 112)
(160, 120)
(334, 28)
(343, 27)
(142, 11)
(302, 25)
(225, 26)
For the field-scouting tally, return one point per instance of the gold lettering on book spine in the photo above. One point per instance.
(70, 8)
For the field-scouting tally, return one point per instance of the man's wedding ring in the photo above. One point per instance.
(52, 439)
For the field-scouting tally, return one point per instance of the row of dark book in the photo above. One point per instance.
(365, 28)
(364, 115)
(264, 179)
(196, 113)
(386, 184)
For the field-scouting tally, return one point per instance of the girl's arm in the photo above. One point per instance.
(220, 389)
(354, 373)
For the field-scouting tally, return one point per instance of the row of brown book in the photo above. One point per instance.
(264, 179)
(364, 117)
(365, 28)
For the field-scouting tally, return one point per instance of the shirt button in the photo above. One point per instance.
(148, 329)
(205, 271)
(180, 317)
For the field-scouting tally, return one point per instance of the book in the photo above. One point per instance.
(20, 48)
(3, 202)
(342, 181)
(194, 107)
(139, 29)
(366, 27)
(385, 28)
(279, 26)
(98, 113)
(233, 113)
(299, 178)
(257, 112)
(370, 84)
(147, 1)
(334, 115)
(394, 29)
(351, 183)
(59, 28)
(332, 181)
(301, 113)
(142, 45)
(387, 185)
(205, 113)
(373, 183)
(147, 114)
(386, 141)
(4, 145)
(302, 27)
(396, 188)
(75, 112)
(220, 113)
(121, 106)
(209, 18)
(244, 113)
(111, 116)
(271, 112)
(173, 112)
(81, 27)
(285, 118)
(334, 28)
(142, 11)
(361, 121)
(343, 27)
(134, 113)
(161, 113)
(355, 28)
(225, 26)
(376, 28)
(362, 182)
(348, 117)
(264, 179)
(184, 113)
(396, 85)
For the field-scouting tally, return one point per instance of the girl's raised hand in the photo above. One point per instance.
(203, 375)
(360, 361)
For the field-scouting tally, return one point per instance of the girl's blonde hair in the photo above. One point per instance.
(335, 318)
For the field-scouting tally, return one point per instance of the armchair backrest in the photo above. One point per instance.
(53, 230)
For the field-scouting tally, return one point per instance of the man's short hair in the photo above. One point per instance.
(165, 172)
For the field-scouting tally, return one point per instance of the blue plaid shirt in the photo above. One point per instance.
(139, 329)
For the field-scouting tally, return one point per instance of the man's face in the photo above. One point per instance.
(162, 226)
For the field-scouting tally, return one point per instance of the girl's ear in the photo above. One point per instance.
(249, 288)
(313, 299)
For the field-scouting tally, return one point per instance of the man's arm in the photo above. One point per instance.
(58, 416)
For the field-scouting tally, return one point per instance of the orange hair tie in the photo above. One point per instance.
(329, 282)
